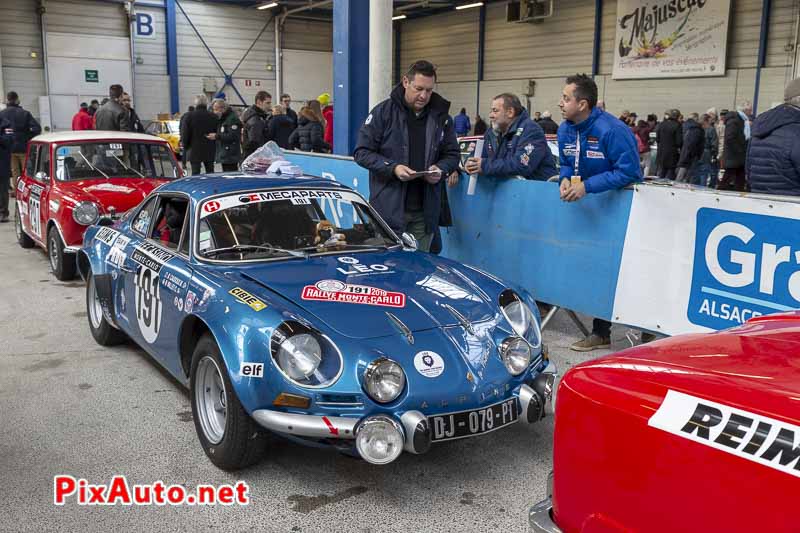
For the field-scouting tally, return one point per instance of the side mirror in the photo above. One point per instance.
(409, 241)
(41, 176)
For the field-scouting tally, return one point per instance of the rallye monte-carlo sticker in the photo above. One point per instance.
(147, 292)
(766, 441)
(296, 196)
(331, 290)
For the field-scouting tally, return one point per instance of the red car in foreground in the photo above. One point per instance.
(692, 433)
(73, 178)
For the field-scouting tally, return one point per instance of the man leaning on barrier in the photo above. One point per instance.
(607, 159)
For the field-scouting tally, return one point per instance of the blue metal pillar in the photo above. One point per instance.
(172, 56)
(350, 72)
(481, 47)
(598, 21)
(762, 50)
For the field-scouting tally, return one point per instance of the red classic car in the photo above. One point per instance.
(74, 177)
(692, 433)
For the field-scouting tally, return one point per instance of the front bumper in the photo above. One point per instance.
(540, 518)
(535, 402)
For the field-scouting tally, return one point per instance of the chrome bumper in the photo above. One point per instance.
(320, 427)
(540, 519)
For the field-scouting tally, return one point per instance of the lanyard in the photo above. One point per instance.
(577, 155)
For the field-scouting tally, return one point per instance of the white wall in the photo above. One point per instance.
(21, 34)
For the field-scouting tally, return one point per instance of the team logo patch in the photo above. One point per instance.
(429, 364)
(247, 298)
(524, 159)
(753, 437)
(330, 290)
(593, 154)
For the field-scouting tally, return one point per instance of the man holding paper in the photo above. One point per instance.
(408, 144)
(598, 154)
(514, 146)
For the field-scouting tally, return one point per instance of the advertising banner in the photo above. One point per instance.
(670, 38)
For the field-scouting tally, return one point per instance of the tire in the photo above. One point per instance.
(229, 436)
(63, 264)
(22, 237)
(104, 333)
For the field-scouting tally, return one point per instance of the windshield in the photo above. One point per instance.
(287, 224)
(173, 126)
(92, 160)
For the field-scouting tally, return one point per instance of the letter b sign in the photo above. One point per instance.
(144, 26)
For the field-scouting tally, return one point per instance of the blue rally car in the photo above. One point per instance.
(286, 304)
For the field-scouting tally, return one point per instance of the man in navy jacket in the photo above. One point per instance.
(598, 153)
(409, 133)
(515, 146)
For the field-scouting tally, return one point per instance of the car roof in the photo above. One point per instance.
(95, 135)
(205, 185)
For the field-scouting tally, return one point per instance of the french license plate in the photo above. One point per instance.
(468, 423)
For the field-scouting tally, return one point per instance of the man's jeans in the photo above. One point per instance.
(415, 225)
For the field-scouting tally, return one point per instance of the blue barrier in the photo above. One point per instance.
(564, 254)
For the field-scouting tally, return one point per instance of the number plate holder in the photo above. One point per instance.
(461, 424)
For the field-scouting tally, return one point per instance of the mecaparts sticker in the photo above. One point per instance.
(766, 441)
(296, 196)
(330, 290)
(429, 364)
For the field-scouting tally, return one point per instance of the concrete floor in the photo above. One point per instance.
(70, 406)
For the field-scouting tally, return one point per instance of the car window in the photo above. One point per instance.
(153, 128)
(30, 166)
(44, 161)
(185, 236)
(98, 160)
(285, 223)
(169, 219)
(141, 223)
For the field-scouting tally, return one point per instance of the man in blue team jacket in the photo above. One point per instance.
(515, 146)
(607, 159)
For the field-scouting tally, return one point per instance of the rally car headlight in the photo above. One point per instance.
(305, 356)
(384, 380)
(85, 213)
(300, 356)
(516, 355)
(522, 320)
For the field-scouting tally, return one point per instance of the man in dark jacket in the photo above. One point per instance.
(517, 147)
(24, 128)
(773, 159)
(548, 125)
(229, 136)
(180, 129)
(734, 153)
(255, 120)
(309, 136)
(669, 139)
(6, 142)
(112, 115)
(199, 136)
(134, 122)
(691, 151)
(286, 102)
(281, 126)
(480, 126)
(407, 134)
(461, 123)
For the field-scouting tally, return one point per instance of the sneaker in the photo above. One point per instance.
(592, 342)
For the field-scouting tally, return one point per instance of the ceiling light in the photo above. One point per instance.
(268, 6)
(467, 6)
(399, 17)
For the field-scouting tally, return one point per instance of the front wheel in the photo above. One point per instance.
(62, 263)
(104, 333)
(229, 436)
(22, 237)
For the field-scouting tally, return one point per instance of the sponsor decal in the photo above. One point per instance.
(210, 207)
(54, 205)
(178, 302)
(355, 268)
(528, 148)
(247, 298)
(148, 302)
(519, 132)
(252, 370)
(151, 256)
(745, 265)
(429, 364)
(594, 154)
(106, 235)
(173, 283)
(296, 196)
(335, 291)
(111, 187)
(592, 140)
(188, 305)
(766, 441)
(524, 159)
(21, 186)
(116, 255)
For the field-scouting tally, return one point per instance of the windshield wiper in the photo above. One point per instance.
(253, 247)
(126, 166)
(92, 166)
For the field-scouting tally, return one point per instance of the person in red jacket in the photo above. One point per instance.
(327, 112)
(82, 119)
